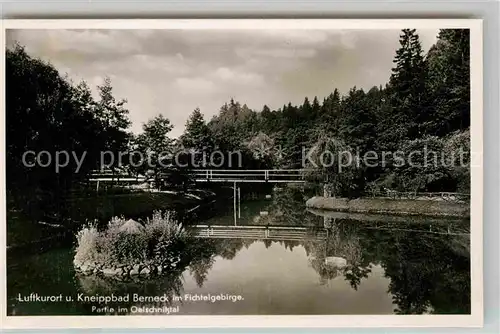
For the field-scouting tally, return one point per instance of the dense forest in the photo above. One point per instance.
(424, 105)
(46, 112)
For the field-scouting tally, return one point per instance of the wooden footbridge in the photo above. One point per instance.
(251, 175)
(295, 233)
(213, 175)
(258, 232)
(233, 176)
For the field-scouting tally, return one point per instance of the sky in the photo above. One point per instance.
(172, 72)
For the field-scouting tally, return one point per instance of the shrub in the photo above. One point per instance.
(425, 172)
(163, 225)
(127, 242)
(164, 236)
(457, 150)
(88, 240)
(128, 248)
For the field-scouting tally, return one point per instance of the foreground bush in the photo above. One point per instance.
(127, 247)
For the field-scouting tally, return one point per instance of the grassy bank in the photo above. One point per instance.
(23, 230)
(391, 206)
(377, 217)
(129, 205)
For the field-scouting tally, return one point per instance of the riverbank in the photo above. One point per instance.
(379, 253)
(378, 217)
(24, 234)
(405, 207)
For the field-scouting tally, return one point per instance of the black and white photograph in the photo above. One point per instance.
(265, 169)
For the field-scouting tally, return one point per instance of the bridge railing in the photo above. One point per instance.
(303, 233)
(249, 175)
(216, 175)
(255, 232)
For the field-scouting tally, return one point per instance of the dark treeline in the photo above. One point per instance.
(46, 112)
(425, 105)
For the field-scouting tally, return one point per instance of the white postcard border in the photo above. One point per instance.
(475, 319)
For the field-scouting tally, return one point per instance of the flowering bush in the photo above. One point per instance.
(87, 239)
(127, 243)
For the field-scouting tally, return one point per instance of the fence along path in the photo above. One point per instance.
(216, 175)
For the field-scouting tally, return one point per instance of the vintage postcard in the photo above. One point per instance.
(241, 173)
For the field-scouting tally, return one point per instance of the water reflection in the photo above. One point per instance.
(424, 272)
(198, 261)
(288, 261)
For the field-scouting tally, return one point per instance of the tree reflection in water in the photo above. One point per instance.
(342, 244)
(198, 259)
(428, 272)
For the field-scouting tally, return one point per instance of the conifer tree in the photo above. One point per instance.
(449, 83)
(328, 120)
(406, 91)
(197, 134)
(114, 117)
(315, 108)
(305, 110)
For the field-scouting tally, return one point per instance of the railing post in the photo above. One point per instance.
(239, 202)
(234, 202)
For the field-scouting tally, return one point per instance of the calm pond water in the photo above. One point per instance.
(308, 264)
